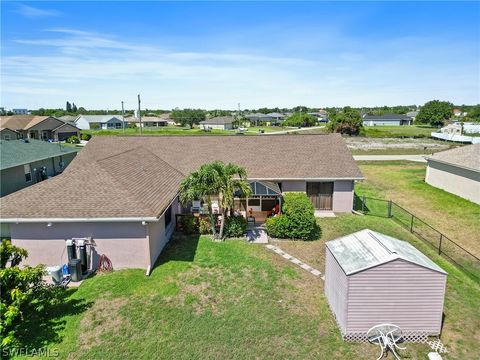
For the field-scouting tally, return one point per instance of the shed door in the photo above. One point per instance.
(320, 194)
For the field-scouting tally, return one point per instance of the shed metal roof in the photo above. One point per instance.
(366, 249)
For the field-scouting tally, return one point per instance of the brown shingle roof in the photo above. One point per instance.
(138, 176)
(464, 156)
(21, 122)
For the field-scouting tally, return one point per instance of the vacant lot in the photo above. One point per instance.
(398, 131)
(403, 182)
(395, 146)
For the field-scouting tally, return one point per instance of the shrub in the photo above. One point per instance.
(348, 121)
(297, 221)
(73, 140)
(235, 226)
(94, 126)
(300, 119)
(86, 137)
(189, 224)
(204, 226)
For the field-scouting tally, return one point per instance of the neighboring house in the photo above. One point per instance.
(276, 118)
(268, 119)
(8, 134)
(103, 122)
(123, 191)
(412, 114)
(20, 111)
(27, 162)
(372, 279)
(459, 128)
(149, 121)
(386, 120)
(47, 128)
(219, 122)
(457, 112)
(456, 171)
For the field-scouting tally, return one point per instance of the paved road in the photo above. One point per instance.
(293, 130)
(417, 158)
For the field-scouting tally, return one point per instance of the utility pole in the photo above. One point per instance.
(123, 119)
(139, 114)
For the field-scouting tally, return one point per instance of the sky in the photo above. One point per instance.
(218, 54)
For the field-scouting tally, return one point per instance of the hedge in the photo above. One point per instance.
(297, 220)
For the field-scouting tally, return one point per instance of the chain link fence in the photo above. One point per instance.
(441, 243)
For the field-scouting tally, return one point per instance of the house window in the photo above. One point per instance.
(254, 202)
(6, 137)
(28, 173)
(168, 216)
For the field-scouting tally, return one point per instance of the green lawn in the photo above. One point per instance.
(214, 300)
(404, 183)
(398, 131)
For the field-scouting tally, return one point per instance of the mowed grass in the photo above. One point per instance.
(204, 300)
(398, 131)
(178, 130)
(404, 183)
(461, 326)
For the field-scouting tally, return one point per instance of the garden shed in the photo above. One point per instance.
(372, 278)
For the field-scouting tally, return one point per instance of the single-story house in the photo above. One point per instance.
(218, 122)
(47, 128)
(149, 121)
(387, 120)
(412, 114)
(456, 171)
(20, 111)
(372, 279)
(8, 134)
(122, 191)
(27, 162)
(103, 122)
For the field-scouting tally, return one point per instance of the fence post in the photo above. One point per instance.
(363, 203)
(389, 209)
(411, 225)
(440, 245)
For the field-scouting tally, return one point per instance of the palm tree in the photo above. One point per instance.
(215, 179)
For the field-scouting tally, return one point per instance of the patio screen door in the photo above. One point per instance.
(320, 194)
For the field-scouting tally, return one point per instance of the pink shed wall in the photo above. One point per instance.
(336, 289)
(125, 244)
(343, 196)
(397, 292)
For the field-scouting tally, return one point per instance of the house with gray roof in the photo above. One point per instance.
(387, 120)
(27, 162)
(218, 122)
(372, 278)
(456, 171)
(103, 122)
(122, 191)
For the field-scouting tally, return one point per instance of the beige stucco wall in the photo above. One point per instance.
(458, 181)
(158, 236)
(125, 244)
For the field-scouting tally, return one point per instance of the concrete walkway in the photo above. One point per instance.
(294, 260)
(417, 158)
(256, 234)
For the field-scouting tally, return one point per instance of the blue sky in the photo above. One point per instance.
(218, 54)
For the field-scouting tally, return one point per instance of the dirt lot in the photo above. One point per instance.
(366, 144)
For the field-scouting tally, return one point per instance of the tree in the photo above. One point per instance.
(22, 289)
(188, 117)
(74, 108)
(347, 121)
(215, 180)
(82, 110)
(473, 113)
(434, 112)
(300, 109)
(300, 119)
(68, 107)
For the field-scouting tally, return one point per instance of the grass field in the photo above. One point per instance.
(210, 300)
(397, 131)
(403, 182)
(177, 130)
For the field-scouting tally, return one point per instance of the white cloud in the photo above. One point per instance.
(34, 12)
(98, 71)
